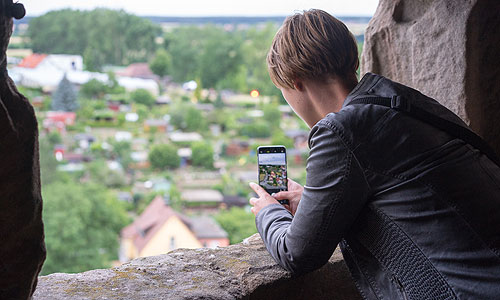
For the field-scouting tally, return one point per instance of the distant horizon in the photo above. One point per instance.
(203, 9)
(197, 16)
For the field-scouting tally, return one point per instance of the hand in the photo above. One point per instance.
(293, 195)
(264, 198)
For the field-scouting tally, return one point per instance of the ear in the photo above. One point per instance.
(298, 85)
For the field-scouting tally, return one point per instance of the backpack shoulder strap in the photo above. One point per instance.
(403, 105)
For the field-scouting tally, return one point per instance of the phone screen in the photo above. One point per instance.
(272, 168)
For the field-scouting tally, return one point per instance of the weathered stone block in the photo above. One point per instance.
(22, 249)
(243, 271)
(447, 49)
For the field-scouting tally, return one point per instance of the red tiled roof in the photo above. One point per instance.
(140, 70)
(32, 61)
(144, 228)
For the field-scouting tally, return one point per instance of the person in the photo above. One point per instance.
(415, 210)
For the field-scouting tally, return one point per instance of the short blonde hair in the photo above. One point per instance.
(311, 45)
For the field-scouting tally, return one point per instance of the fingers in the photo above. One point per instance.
(258, 189)
(292, 185)
(254, 211)
(283, 195)
(252, 201)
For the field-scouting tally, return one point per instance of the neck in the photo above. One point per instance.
(326, 97)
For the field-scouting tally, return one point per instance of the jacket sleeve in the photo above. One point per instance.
(335, 192)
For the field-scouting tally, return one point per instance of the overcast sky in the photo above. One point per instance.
(209, 7)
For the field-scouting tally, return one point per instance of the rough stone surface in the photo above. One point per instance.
(243, 271)
(22, 250)
(447, 49)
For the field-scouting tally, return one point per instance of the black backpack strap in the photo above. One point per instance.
(403, 105)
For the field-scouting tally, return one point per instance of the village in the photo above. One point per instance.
(172, 198)
(148, 133)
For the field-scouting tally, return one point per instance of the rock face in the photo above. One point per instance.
(447, 49)
(243, 271)
(22, 249)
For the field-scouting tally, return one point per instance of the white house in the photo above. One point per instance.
(46, 71)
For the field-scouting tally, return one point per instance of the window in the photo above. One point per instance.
(172, 243)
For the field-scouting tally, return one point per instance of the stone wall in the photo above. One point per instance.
(243, 271)
(447, 49)
(22, 249)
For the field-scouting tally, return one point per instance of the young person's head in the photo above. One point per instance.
(312, 45)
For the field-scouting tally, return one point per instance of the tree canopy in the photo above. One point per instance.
(160, 65)
(82, 224)
(142, 96)
(203, 155)
(164, 156)
(238, 223)
(101, 36)
(65, 97)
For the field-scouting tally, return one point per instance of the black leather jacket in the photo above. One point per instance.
(415, 210)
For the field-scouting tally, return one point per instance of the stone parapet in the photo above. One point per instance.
(242, 271)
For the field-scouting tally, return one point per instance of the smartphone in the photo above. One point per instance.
(272, 169)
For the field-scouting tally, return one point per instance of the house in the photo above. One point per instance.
(160, 125)
(58, 120)
(138, 70)
(185, 137)
(237, 148)
(84, 140)
(139, 160)
(160, 229)
(235, 200)
(202, 198)
(46, 71)
(67, 118)
(185, 156)
(123, 136)
(53, 61)
(163, 100)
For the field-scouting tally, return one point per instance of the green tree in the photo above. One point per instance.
(194, 119)
(279, 138)
(254, 51)
(238, 223)
(160, 64)
(257, 129)
(82, 223)
(123, 151)
(185, 46)
(65, 97)
(101, 36)
(203, 155)
(48, 162)
(93, 89)
(101, 174)
(272, 115)
(164, 156)
(209, 53)
(143, 96)
(93, 59)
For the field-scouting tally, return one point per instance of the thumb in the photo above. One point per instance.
(283, 195)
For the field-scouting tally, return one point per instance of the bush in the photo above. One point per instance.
(143, 96)
(93, 89)
(164, 156)
(203, 155)
(238, 223)
(257, 129)
(279, 138)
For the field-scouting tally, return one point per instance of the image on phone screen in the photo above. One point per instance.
(272, 169)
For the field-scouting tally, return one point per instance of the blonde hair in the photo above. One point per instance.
(311, 45)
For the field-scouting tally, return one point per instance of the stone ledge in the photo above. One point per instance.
(242, 271)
